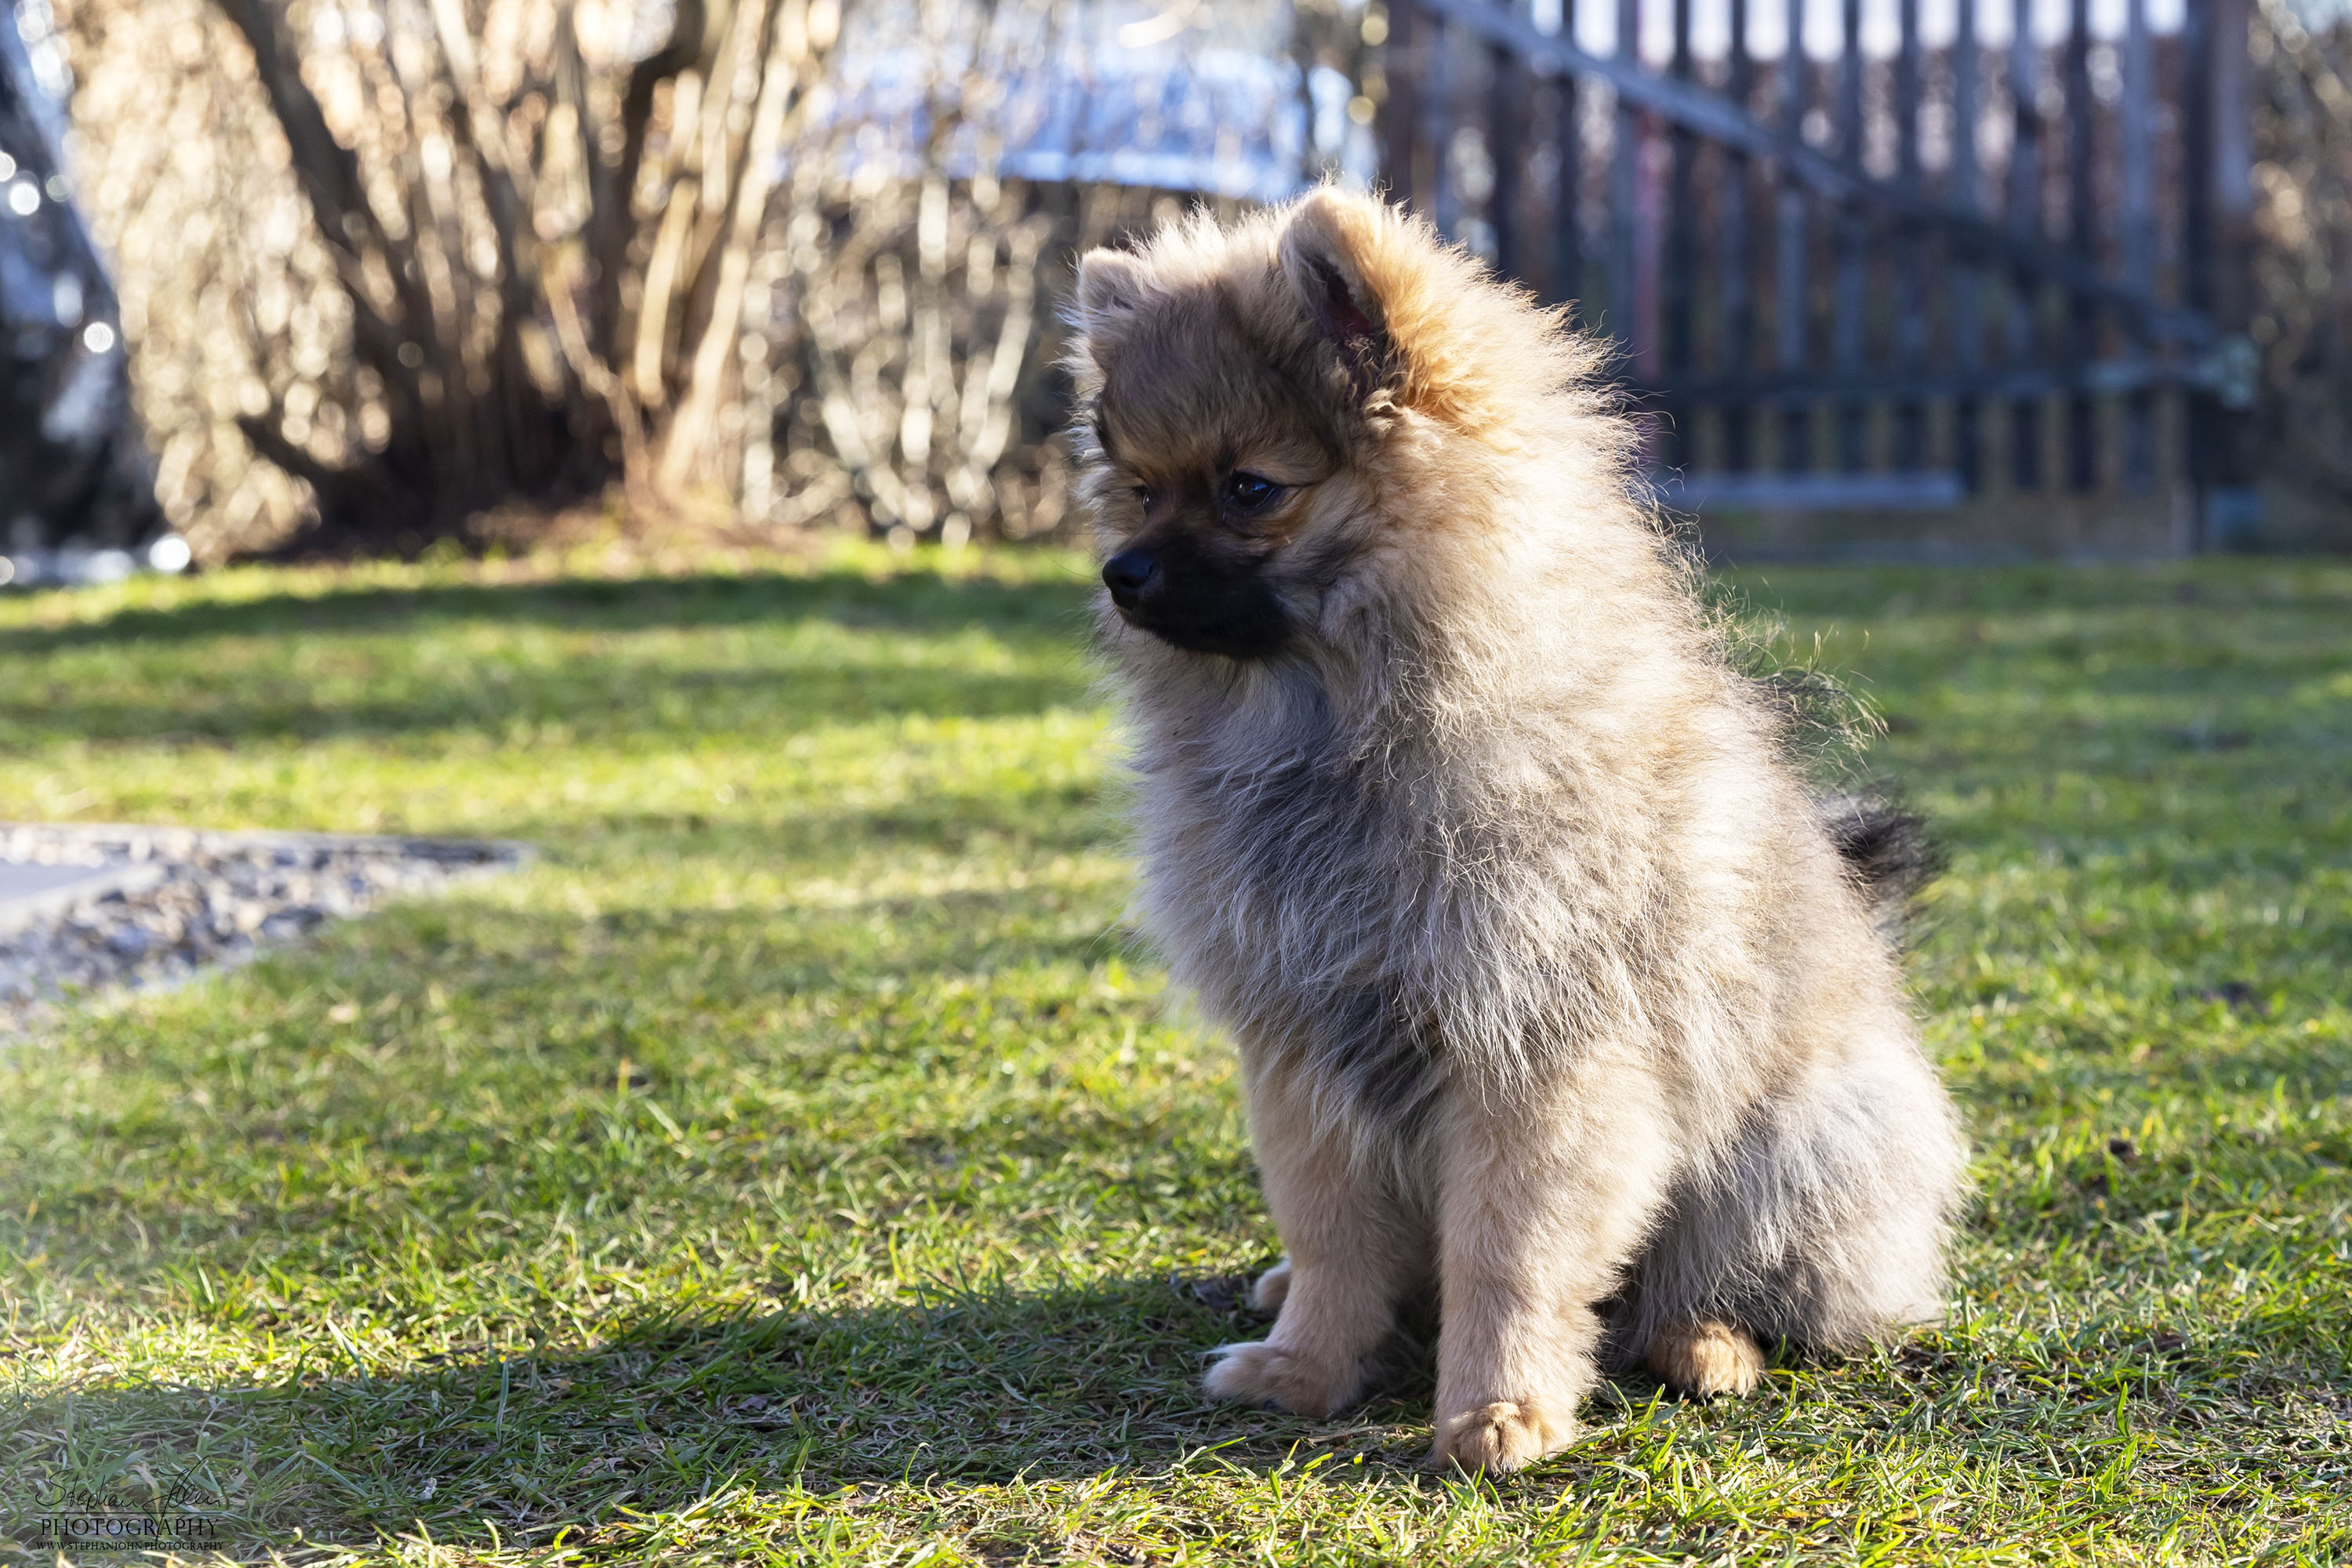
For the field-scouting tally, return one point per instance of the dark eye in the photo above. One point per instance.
(1143, 496)
(1247, 493)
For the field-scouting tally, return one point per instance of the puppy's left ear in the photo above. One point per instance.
(1110, 292)
(1329, 254)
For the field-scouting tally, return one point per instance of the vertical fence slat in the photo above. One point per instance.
(1853, 415)
(2083, 237)
(1566, 237)
(2025, 218)
(1507, 112)
(1789, 303)
(2196, 240)
(1625, 150)
(1910, 318)
(1438, 110)
(1401, 115)
(1736, 256)
(1965, 284)
(2233, 172)
(2215, 232)
(2136, 230)
(1681, 260)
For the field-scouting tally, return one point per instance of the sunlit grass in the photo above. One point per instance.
(799, 1161)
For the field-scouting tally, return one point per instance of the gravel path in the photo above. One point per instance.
(201, 901)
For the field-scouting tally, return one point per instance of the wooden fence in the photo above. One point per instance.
(1854, 265)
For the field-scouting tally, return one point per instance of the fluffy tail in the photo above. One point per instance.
(1885, 848)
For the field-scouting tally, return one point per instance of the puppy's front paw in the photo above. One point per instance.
(1273, 1288)
(1504, 1436)
(1262, 1371)
(1706, 1359)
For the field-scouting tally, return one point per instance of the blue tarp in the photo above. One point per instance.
(72, 468)
(1120, 93)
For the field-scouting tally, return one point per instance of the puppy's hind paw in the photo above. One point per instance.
(1706, 1359)
(1502, 1436)
(1272, 1288)
(1261, 1373)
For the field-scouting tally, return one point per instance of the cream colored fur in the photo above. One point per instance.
(1552, 994)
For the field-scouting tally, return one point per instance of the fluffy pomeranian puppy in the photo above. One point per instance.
(1562, 1004)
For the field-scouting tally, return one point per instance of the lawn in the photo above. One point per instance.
(801, 1163)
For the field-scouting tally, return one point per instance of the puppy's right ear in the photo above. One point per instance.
(1330, 254)
(1110, 292)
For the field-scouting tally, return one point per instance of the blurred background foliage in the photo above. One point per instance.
(394, 271)
(2302, 194)
(400, 271)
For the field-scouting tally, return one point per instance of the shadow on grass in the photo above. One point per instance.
(684, 963)
(920, 600)
(282, 684)
(595, 701)
(981, 1383)
(970, 1387)
(1060, 817)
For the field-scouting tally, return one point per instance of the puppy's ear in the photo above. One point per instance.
(1412, 319)
(1110, 292)
(1329, 255)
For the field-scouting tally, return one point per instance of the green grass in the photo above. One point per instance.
(800, 1164)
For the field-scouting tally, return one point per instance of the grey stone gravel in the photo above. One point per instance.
(220, 899)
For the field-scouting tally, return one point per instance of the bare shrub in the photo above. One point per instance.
(897, 364)
(392, 264)
(409, 252)
(2302, 267)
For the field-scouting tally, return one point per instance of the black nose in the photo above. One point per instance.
(1129, 572)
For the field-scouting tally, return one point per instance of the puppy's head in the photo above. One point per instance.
(1265, 408)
